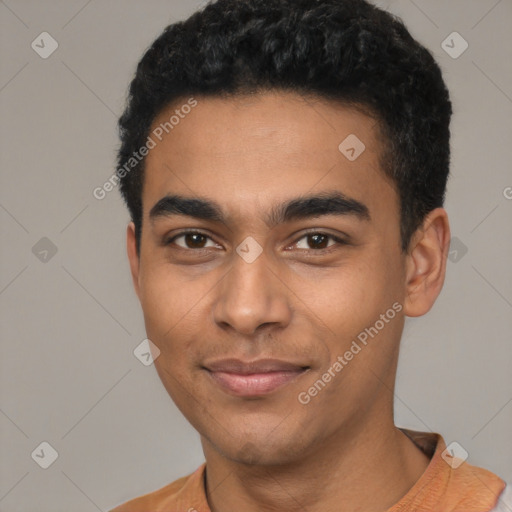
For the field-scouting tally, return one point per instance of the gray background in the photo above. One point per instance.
(70, 321)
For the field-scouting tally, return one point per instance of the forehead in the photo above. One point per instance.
(251, 150)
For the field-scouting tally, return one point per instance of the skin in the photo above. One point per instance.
(299, 301)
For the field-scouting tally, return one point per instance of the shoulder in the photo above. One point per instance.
(450, 483)
(504, 503)
(478, 488)
(188, 489)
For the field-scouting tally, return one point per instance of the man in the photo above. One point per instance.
(284, 163)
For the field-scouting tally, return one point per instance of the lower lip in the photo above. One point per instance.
(256, 384)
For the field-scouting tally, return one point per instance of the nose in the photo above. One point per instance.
(252, 297)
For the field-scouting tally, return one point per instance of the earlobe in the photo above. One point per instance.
(426, 263)
(133, 257)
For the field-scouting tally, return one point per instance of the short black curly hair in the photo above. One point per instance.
(347, 51)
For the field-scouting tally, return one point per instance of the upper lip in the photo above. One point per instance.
(252, 367)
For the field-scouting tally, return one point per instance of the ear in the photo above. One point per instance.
(133, 257)
(426, 263)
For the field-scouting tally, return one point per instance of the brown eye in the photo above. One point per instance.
(195, 241)
(192, 240)
(317, 241)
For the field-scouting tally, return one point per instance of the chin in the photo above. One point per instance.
(262, 450)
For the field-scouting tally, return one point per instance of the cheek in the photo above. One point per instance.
(346, 301)
(176, 313)
(342, 296)
(166, 298)
(161, 307)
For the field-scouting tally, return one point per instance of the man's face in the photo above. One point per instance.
(259, 281)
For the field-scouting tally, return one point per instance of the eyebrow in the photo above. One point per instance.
(304, 207)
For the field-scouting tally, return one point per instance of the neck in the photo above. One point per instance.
(369, 468)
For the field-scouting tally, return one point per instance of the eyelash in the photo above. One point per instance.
(336, 239)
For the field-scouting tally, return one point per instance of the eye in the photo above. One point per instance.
(317, 241)
(192, 240)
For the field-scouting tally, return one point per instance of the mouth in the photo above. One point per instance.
(253, 379)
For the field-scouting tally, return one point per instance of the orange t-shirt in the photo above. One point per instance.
(443, 487)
